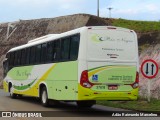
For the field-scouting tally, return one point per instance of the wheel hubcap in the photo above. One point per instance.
(11, 91)
(44, 97)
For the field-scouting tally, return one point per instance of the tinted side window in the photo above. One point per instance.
(57, 50)
(16, 58)
(74, 48)
(23, 57)
(65, 44)
(9, 58)
(38, 54)
(32, 55)
(50, 52)
(19, 58)
(27, 55)
(43, 53)
(12, 58)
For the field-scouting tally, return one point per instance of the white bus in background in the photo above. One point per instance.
(82, 65)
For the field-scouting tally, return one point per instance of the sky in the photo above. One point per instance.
(13, 10)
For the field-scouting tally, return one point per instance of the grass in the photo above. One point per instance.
(140, 105)
(139, 26)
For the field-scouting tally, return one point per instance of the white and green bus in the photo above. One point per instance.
(82, 65)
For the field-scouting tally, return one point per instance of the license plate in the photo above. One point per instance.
(101, 87)
(112, 87)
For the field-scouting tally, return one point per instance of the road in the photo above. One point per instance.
(66, 111)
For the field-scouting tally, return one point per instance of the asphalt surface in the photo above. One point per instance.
(61, 111)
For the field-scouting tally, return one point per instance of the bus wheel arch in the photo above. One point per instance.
(10, 90)
(43, 95)
(9, 86)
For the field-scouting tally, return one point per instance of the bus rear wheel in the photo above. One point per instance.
(86, 103)
(44, 97)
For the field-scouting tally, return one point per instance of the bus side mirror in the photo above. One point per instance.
(5, 63)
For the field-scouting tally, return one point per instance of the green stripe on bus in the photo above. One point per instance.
(25, 86)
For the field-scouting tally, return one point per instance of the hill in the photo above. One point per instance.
(148, 37)
(25, 30)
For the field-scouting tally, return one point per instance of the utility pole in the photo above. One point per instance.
(98, 8)
(109, 11)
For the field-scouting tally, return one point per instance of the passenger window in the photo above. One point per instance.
(74, 48)
(32, 55)
(43, 53)
(12, 59)
(65, 43)
(16, 58)
(57, 50)
(50, 52)
(27, 55)
(23, 57)
(38, 54)
(19, 58)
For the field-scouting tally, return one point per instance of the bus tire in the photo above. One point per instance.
(44, 97)
(86, 103)
(12, 95)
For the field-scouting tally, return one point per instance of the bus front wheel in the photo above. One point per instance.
(86, 103)
(44, 97)
(12, 95)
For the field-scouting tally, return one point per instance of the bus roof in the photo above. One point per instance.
(52, 37)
